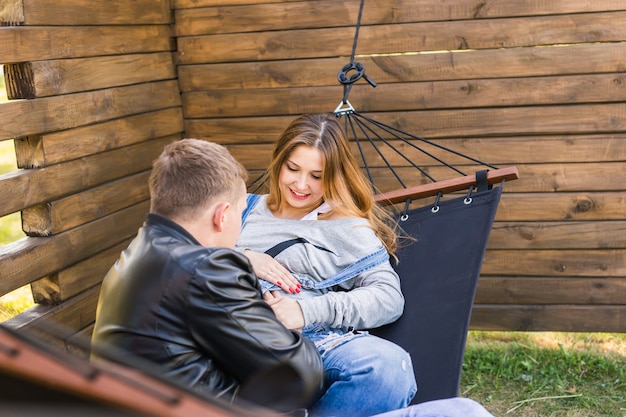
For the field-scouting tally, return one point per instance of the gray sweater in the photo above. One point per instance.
(320, 249)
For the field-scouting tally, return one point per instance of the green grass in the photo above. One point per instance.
(15, 302)
(546, 374)
(3, 89)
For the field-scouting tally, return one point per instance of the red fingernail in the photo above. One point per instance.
(298, 290)
(291, 290)
(278, 283)
(299, 285)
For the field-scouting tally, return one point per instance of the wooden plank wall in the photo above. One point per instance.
(95, 94)
(93, 99)
(535, 84)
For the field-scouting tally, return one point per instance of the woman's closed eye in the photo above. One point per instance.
(315, 176)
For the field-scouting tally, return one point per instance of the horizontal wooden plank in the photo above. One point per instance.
(229, 131)
(566, 177)
(65, 284)
(549, 290)
(571, 119)
(65, 76)
(407, 38)
(111, 12)
(554, 207)
(555, 263)
(544, 180)
(186, 4)
(79, 343)
(30, 259)
(48, 149)
(229, 16)
(58, 216)
(443, 65)
(601, 234)
(24, 189)
(557, 152)
(55, 324)
(264, 17)
(403, 159)
(434, 124)
(24, 43)
(588, 206)
(509, 92)
(32, 117)
(549, 318)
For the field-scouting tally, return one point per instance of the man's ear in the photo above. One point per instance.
(219, 215)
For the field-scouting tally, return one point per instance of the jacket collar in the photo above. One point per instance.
(164, 223)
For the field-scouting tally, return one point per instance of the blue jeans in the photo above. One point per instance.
(364, 375)
(450, 407)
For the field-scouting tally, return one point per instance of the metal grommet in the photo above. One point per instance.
(405, 213)
(435, 208)
(468, 198)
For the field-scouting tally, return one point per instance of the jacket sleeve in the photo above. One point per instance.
(238, 329)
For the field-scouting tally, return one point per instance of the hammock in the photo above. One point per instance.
(439, 274)
(440, 267)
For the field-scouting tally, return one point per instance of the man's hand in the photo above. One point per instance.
(287, 310)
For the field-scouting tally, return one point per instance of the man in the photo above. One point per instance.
(180, 297)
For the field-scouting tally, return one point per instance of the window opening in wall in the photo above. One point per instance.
(10, 225)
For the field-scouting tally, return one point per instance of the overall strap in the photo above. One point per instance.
(367, 262)
(251, 202)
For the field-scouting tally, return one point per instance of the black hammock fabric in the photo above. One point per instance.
(439, 274)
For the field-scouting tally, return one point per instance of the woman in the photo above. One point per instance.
(318, 219)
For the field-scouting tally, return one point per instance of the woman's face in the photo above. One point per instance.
(300, 182)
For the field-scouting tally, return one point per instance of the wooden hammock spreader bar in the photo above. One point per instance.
(446, 186)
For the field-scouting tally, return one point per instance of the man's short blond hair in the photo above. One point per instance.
(190, 174)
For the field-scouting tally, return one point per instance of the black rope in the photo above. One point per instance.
(357, 69)
(377, 135)
(259, 181)
(350, 121)
(363, 128)
(396, 150)
(391, 130)
(356, 33)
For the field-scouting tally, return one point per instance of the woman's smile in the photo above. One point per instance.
(298, 195)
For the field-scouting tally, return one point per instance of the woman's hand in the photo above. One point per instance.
(270, 270)
(287, 310)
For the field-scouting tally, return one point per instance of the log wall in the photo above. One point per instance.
(93, 98)
(98, 88)
(539, 85)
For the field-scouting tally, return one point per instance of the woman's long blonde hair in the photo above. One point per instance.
(344, 186)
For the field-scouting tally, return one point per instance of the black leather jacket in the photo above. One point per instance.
(199, 314)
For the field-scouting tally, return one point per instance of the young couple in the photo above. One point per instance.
(290, 305)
